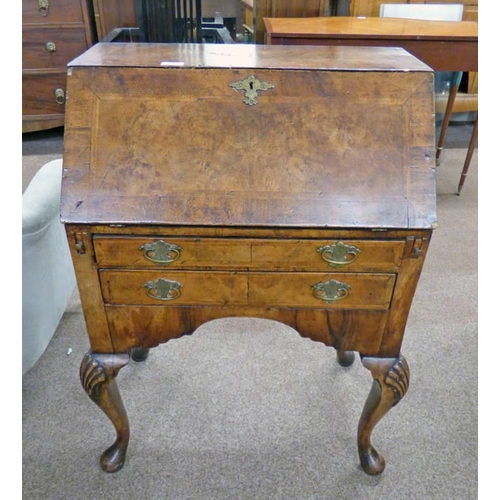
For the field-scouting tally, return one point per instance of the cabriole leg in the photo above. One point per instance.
(97, 375)
(391, 377)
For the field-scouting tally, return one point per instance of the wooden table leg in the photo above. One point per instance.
(97, 375)
(455, 82)
(470, 152)
(391, 377)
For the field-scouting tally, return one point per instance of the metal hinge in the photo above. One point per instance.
(413, 247)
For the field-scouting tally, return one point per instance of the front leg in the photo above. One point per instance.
(391, 377)
(97, 375)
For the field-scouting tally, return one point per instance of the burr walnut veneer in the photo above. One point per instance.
(208, 181)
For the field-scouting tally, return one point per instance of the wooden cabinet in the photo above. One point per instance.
(54, 32)
(254, 12)
(210, 181)
(111, 14)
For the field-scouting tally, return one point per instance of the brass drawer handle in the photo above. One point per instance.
(331, 291)
(60, 96)
(163, 289)
(43, 7)
(50, 47)
(339, 254)
(161, 252)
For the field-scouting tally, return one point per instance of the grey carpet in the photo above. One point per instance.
(247, 409)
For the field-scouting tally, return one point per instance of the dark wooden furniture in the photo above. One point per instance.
(111, 15)
(312, 202)
(54, 32)
(283, 8)
(443, 45)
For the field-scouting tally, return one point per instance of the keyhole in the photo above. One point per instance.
(251, 85)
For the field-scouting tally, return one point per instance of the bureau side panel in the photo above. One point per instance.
(404, 291)
(80, 244)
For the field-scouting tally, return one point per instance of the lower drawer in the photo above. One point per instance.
(44, 93)
(303, 290)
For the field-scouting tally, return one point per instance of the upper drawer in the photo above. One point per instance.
(45, 48)
(52, 11)
(251, 254)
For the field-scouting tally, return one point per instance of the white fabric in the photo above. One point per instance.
(428, 12)
(48, 275)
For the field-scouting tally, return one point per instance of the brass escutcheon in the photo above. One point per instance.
(339, 254)
(251, 86)
(161, 252)
(331, 291)
(163, 289)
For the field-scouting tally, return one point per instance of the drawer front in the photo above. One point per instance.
(52, 11)
(213, 253)
(173, 288)
(45, 48)
(311, 290)
(44, 93)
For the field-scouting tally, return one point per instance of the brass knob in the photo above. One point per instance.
(43, 7)
(50, 47)
(60, 96)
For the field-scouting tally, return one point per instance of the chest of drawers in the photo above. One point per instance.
(54, 33)
(287, 183)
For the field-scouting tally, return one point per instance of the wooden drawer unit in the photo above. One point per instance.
(312, 202)
(54, 32)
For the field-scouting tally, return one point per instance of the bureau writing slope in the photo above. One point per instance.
(208, 181)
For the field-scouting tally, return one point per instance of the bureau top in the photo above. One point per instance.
(220, 135)
(156, 55)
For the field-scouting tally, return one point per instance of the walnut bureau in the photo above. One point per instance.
(207, 181)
